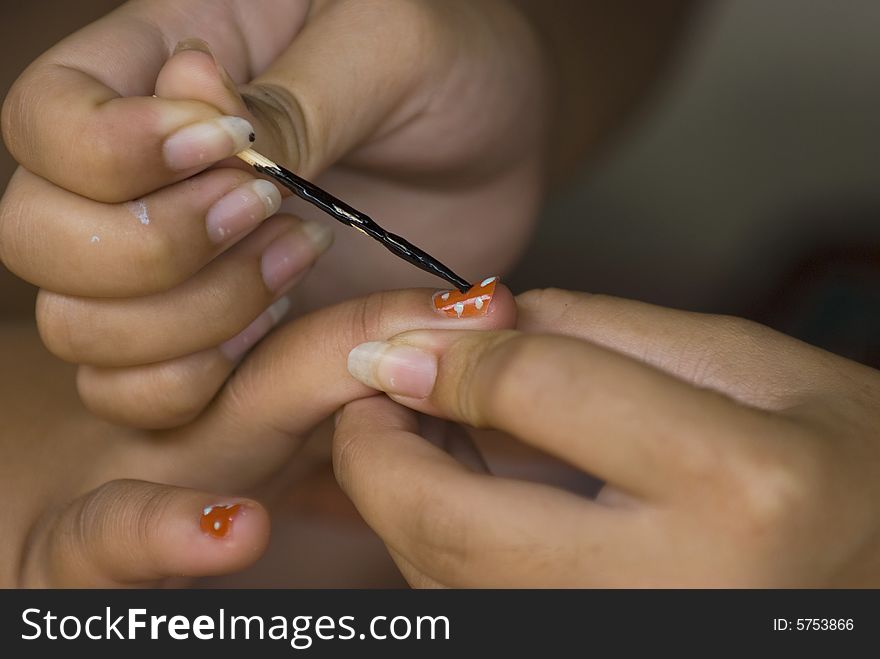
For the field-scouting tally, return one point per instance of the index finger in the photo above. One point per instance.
(296, 378)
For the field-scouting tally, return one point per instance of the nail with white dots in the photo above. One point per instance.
(475, 302)
(217, 521)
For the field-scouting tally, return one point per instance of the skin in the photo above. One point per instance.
(731, 455)
(94, 504)
(725, 449)
(141, 313)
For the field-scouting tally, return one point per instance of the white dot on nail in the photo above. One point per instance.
(217, 525)
(207, 511)
(478, 303)
(444, 297)
(459, 308)
(488, 281)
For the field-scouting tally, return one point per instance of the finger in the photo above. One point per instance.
(206, 310)
(459, 528)
(745, 360)
(133, 532)
(297, 377)
(68, 244)
(300, 105)
(94, 128)
(174, 392)
(611, 416)
(321, 98)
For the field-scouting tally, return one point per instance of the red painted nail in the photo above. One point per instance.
(217, 520)
(466, 305)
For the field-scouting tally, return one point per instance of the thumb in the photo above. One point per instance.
(133, 532)
(322, 98)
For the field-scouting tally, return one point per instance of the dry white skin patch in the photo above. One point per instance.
(138, 208)
(95, 239)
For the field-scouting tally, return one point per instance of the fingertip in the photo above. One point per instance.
(502, 309)
(193, 72)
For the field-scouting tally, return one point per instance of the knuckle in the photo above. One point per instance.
(777, 493)
(13, 253)
(157, 398)
(365, 321)
(14, 119)
(508, 361)
(54, 313)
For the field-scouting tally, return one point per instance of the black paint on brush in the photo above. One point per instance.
(341, 211)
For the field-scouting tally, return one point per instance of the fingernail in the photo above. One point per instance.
(395, 369)
(217, 520)
(291, 253)
(193, 43)
(200, 45)
(236, 347)
(475, 302)
(242, 209)
(204, 143)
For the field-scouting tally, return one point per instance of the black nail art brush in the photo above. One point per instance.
(344, 213)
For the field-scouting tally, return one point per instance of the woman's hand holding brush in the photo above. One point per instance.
(158, 266)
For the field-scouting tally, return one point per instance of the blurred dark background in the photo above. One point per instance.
(749, 183)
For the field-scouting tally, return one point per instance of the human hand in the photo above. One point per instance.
(91, 504)
(148, 262)
(732, 455)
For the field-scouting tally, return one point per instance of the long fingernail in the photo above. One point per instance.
(395, 369)
(242, 209)
(236, 347)
(217, 520)
(290, 254)
(475, 302)
(204, 143)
